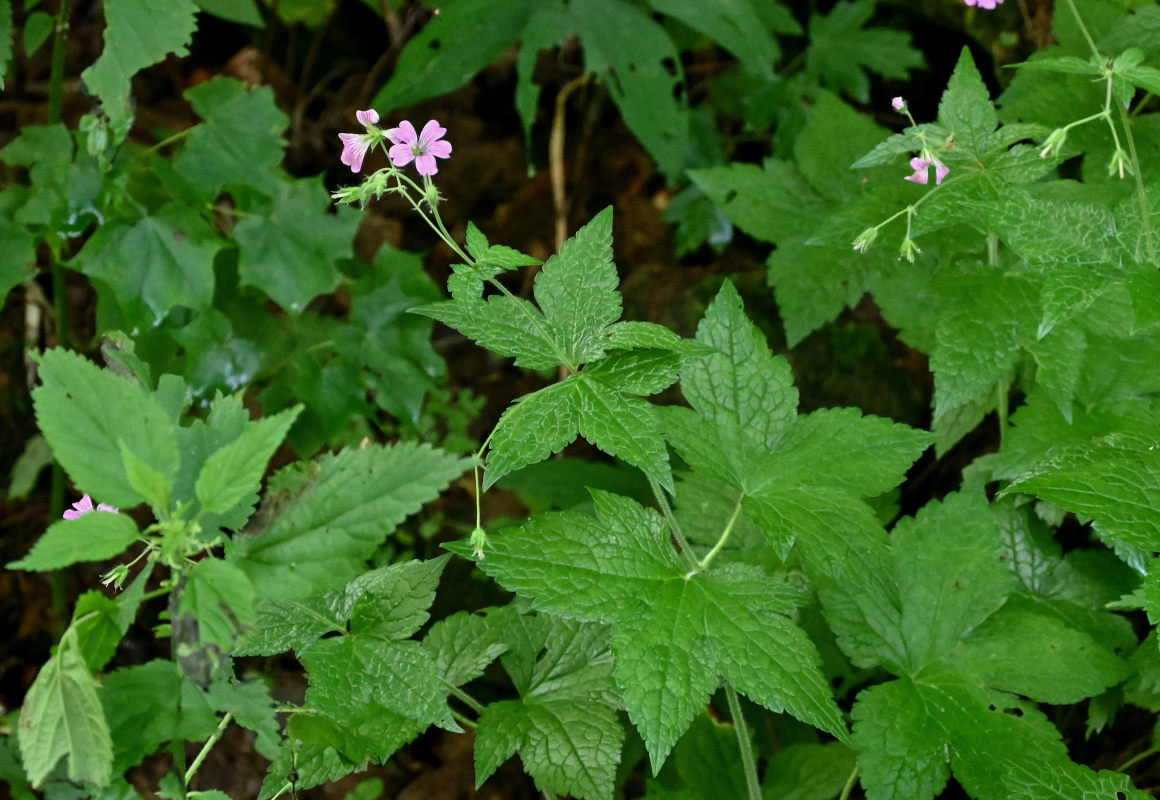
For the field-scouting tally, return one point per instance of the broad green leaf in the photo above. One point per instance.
(1069, 666)
(800, 479)
(808, 772)
(62, 716)
(708, 760)
(842, 51)
(563, 726)
(351, 676)
(577, 291)
(453, 46)
(506, 325)
(221, 599)
(253, 708)
(736, 26)
(639, 65)
(332, 515)
(965, 108)
(988, 315)
(87, 414)
(771, 202)
(240, 141)
(1114, 480)
(38, 26)
(164, 260)
(675, 632)
(18, 257)
(311, 752)
(235, 471)
(96, 536)
(463, 645)
(533, 428)
(289, 248)
(153, 487)
(138, 33)
(150, 704)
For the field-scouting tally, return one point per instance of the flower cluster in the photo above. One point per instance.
(987, 4)
(406, 145)
(921, 166)
(84, 506)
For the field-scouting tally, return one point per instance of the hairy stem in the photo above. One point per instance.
(747, 761)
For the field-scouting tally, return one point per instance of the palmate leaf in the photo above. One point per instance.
(564, 724)
(800, 479)
(842, 51)
(675, 633)
(575, 326)
(929, 617)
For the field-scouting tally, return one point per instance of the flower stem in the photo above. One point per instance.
(1142, 198)
(849, 787)
(747, 761)
(724, 535)
(205, 748)
(674, 525)
(467, 699)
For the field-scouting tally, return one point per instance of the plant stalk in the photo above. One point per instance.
(747, 761)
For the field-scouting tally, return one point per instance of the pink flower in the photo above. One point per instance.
(921, 167)
(422, 149)
(84, 506)
(987, 4)
(355, 145)
(898, 103)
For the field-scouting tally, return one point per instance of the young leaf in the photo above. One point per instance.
(463, 645)
(95, 536)
(965, 108)
(221, 599)
(564, 725)
(87, 414)
(235, 471)
(62, 716)
(676, 633)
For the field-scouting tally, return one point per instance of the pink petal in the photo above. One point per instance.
(918, 177)
(432, 132)
(898, 103)
(918, 164)
(440, 149)
(368, 117)
(401, 154)
(80, 508)
(940, 171)
(404, 134)
(107, 507)
(426, 165)
(354, 150)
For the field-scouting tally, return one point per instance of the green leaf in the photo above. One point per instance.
(577, 291)
(506, 325)
(38, 26)
(1114, 480)
(333, 515)
(638, 63)
(495, 255)
(565, 730)
(221, 599)
(96, 536)
(842, 51)
(154, 487)
(244, 12)
(798, 478)
(235, 471)
(18, 257)
(771, 202)
(808, 772)
(708, 760)
(463, 645)
(453, 46)
(979, 332)
(150, 704)
(164, 260)
(735, 26)
(1069, 666)
(253, 708)
(239, 143)
(965, 108)
(139, 33)
(289, 248)
(675, 632)
(62, 716)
